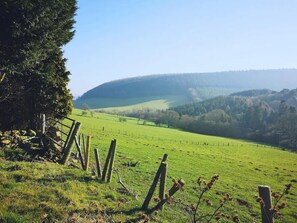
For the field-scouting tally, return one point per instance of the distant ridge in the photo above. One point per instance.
(178, 89)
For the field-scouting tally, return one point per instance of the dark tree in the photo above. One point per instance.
(33, 76)
(168, 117)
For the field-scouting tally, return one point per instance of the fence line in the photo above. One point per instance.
(72, 138)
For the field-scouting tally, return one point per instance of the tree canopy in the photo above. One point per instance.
(260, 115)
(33, 76)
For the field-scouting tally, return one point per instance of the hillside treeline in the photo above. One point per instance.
(266, 117)
(193, 84)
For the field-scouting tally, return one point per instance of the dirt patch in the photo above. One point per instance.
(244, 203)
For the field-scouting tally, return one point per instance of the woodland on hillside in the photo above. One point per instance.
(264, 118)
(196, 86)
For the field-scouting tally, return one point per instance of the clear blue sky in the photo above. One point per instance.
(125, 38)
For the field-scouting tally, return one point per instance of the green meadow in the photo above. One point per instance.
(124, 104)
(154, 104)
(36, 192)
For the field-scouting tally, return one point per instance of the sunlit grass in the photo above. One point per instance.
(152, 102)
(39, 191)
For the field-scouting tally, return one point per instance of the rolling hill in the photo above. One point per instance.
(179, 89)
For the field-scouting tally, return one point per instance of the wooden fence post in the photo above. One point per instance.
(79, 153)
(83, 143)
(265, 194)
(98, 164)
(43, 124)
(67, 152)
(153, 186)
(87, 154)
(79, 139)
(107, 161)
(112, 155)
(163, 181)
(68, 136)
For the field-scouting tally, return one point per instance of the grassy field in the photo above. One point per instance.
(154, 104)
(36, 192)
(132, 103)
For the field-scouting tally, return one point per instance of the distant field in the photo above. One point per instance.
(242, 166)
(133, 103)
(155, 104)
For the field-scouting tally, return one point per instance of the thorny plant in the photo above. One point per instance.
(277, 206)
(195, 210)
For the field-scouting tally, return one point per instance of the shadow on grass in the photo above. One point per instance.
(134, 211)
(66, 177)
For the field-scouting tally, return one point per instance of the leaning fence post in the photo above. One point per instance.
(163, 181)
(111, 161)
(83, 143)
(98, 164)
(107, 161)
(67, 152)
(80, 153)
(79, 139)
(265, 194)
(68, 136)
(153, 186)
(87, 154)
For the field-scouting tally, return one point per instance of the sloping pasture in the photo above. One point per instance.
(242, 166)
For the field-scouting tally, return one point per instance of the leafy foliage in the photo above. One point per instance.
(32, 68)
